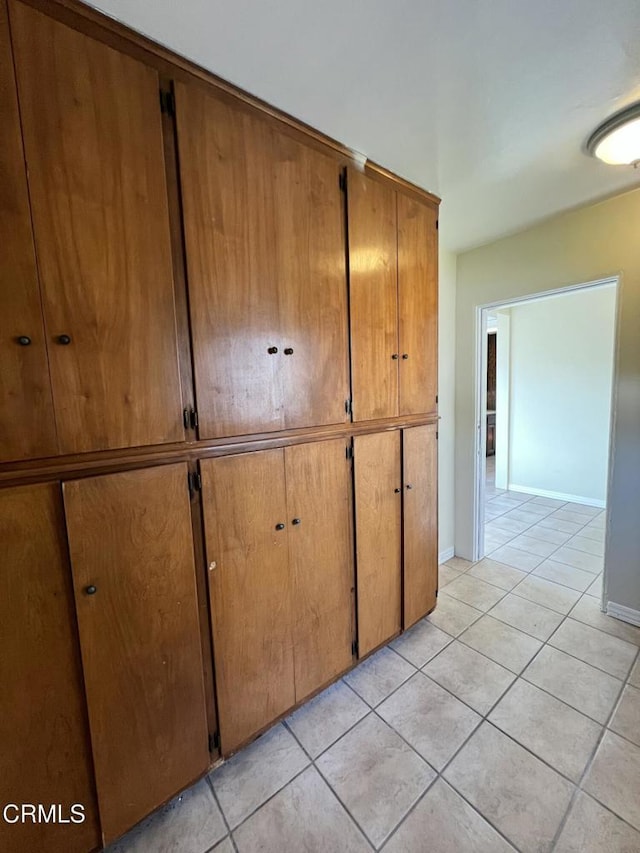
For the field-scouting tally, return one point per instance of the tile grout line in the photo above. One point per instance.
(591, 759)
(373, 709)
(565, 616)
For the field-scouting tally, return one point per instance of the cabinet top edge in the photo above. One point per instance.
(25, 472)
(97, 24)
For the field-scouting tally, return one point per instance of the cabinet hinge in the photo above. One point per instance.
(436, 399)
(214, 742)
(167, 102)
(349, 451)
(190, 418)
(437, 434)
(347, 406)
(354, 648)
(194, 481)
(342, 181)
(437, 224)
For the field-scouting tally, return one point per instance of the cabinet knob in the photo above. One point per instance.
(296, 521)
(24, 340)
(397, 490)
(394, 356)
(409, 486)
(405, 355)
(91, 589)
(64, 340)
(288, 351)
(280, 526)
(272, 350)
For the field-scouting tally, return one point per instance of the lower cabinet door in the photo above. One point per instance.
(318, 478)
(420, 522)
(44, 740)
(246, 533)
(378, 498)
(131, 545)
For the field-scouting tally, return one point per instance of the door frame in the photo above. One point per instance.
(480, 401)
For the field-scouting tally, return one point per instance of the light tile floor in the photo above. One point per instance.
(509, 719)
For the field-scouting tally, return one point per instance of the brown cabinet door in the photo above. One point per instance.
(26, 413)
(420, 521)
(133, 572)
(378, 493)
(94, 151)
(319, 515)
(418, 306)
(373, 297)
(264, 231)
(46, 755)
(250, 586)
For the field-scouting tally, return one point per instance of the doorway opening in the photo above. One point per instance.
(544, 378)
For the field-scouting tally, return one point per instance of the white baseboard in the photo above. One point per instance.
(626, 614)
(445, 555)
(558, 496)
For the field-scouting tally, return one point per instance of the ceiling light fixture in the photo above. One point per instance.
(617, 140)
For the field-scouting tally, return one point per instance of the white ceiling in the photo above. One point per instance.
(485, 102)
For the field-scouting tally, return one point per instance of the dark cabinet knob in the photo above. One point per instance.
(405, 355)
(24, 340)
(280, 526)
(272, 350)
(91, 589)
(288, 351)
(397, 490)
(394, 356)
(409, 486)
(64, 340)
(296, 521)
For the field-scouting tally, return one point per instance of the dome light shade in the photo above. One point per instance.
(617, 140)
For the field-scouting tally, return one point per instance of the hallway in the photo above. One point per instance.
(508, 719)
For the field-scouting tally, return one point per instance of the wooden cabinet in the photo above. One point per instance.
(393, 283)
(251, 590)
(378, 496)
(420, 521)
(167, 240)
(133, 574)
(373, 294)
(46, 755)
(26, 413)
(264, 232)
(417, 306)
(396, 531)
(94, 151)
(278, 542)
(319, 522)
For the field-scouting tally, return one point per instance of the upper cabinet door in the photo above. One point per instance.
(373, 297)
(378, 492)
(131, 545)
(420, 522)
(94, 151)
(264, 231)
(320, 516)
(245, 519)
(46, 754)
(26, 412)
(312, 284)
(418, 305)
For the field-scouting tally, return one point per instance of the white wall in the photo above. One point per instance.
(560, 396)
(446, 402)
(596, 242)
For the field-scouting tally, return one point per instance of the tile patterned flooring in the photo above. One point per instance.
(507, 720)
